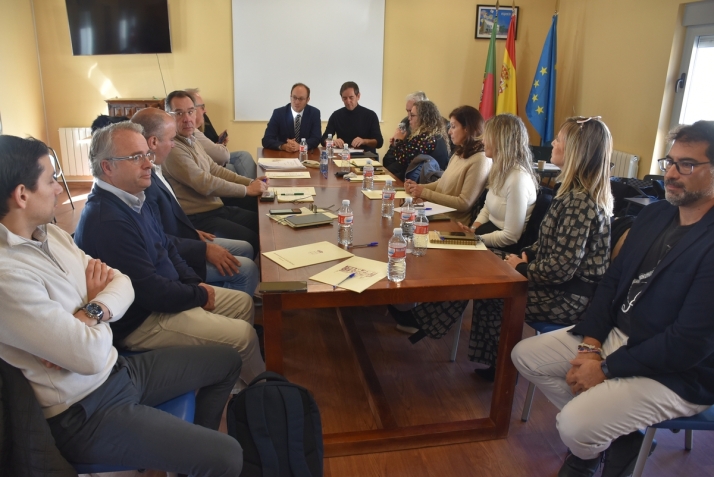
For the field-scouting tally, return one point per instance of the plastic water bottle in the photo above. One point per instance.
(329, 145)
(388, 194)
(345, 167)
(303, 150)
(324, 163)
(397, 254)
(421, 233)
(344, 218)
(408, 216)
(368, 176)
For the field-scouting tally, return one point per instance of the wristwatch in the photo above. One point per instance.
(94, 311)
(605, 371)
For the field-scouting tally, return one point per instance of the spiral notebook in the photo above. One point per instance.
(435, 241)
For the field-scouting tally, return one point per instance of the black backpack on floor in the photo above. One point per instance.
(278, 425)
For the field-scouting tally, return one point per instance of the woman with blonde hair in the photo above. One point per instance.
(512, 184)
(572, 252)
(465, 177)
(428, 138)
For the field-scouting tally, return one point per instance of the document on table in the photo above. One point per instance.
(377, 178)
(367, 273)
(294, 194)
(377, 194)
(432, 209)
(341, 163)
(306, 255)
(363, 162)
(280, 164)
(288, 175)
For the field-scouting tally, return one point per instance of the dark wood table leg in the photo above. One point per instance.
(273, 332)
(505, 384)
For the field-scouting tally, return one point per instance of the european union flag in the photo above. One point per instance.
(540, 108)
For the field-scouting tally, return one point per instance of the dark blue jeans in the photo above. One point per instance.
(116, 424)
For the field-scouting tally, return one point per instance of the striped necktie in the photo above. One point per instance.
(297, 127)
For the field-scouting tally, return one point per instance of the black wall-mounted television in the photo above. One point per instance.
(119, 27)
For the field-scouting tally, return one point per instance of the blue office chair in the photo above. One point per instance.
(183, 407)
(704, 421)
(539, 328)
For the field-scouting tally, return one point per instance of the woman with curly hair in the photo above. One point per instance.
(465, 177)
(428, 138)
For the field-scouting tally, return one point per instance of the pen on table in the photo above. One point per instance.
(296, 193)
(371, 244)
(422, 208)
(334, 287)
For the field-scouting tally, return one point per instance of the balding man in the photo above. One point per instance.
(219, 262)
(173, 306)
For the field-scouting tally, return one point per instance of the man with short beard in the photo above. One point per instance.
(644, 352)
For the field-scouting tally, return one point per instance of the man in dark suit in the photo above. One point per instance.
(220, 262)
(172, 305)
(644, 352)
(293, 122)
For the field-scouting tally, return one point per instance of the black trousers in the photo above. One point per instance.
(116, 424)
(231, 223)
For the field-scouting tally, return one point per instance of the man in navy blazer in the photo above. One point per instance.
(220, 262)
(293, 122)
(644, 352)
(172, 305)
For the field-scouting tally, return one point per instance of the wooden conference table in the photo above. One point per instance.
(439, 275)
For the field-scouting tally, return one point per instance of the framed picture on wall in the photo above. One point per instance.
(485, 16)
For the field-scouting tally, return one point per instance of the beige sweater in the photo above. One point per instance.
(460, 186)
(198, 182)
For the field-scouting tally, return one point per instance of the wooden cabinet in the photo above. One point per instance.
(127, 107)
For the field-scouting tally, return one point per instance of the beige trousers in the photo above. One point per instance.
(230, 323)
(590, 421)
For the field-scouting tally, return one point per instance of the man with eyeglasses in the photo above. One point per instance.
(216, 200)
(294, 121)
(644, 352)
(220, 262)
(173, 306)
(240, 162)
(55, 327)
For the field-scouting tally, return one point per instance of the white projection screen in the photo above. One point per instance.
(322, 43)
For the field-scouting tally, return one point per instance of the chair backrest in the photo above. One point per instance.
(478, 205)
(530, 233)
(619, 228)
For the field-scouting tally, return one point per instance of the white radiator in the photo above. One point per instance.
(74, 152)
(625, 164)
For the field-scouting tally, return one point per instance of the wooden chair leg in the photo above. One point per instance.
(457, 334)
(644, 452)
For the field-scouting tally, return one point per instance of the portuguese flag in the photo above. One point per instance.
(487, 106)
(507, 101)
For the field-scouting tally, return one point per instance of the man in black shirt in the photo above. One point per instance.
(354, 124)
(644, 351)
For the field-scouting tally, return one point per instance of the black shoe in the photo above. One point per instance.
(487, 374)
(261, 340)
(621, 456)
(577, 467)
(404, 318)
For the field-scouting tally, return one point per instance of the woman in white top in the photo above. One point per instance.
(512, 184)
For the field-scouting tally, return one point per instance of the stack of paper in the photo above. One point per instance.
(431, 208)
(280, 164)
(288, 175)
(377, 194)
(377, 178)
(306, 255)
(363, 162)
